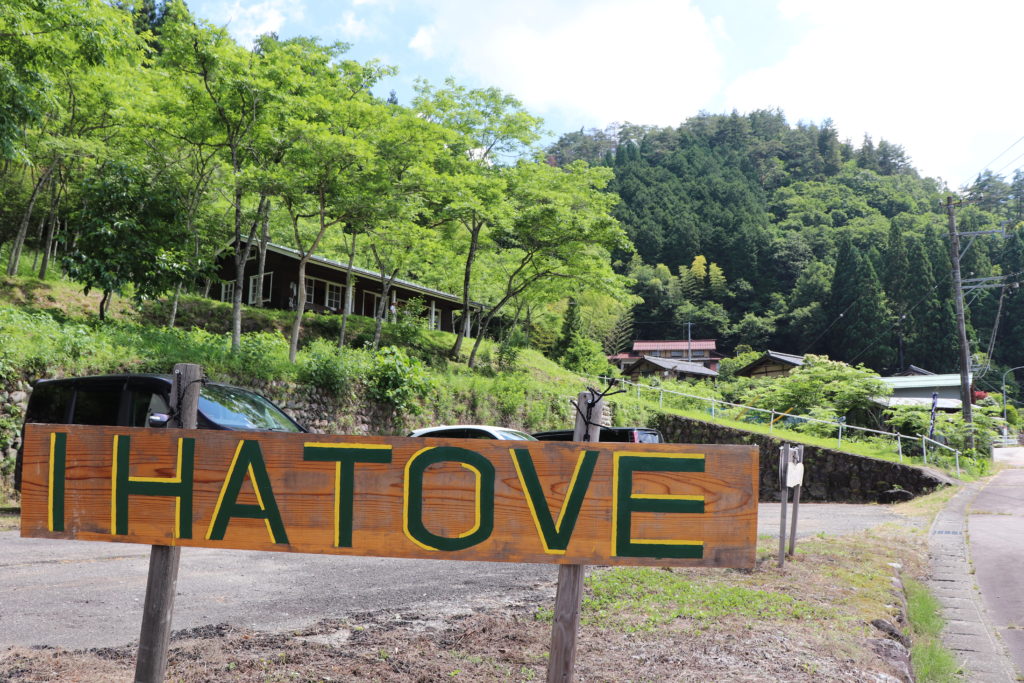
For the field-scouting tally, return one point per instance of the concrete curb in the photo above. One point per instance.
(969, 632)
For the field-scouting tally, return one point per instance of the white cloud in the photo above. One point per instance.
(423, 41)
(248, 21)
(647, 61)
(932, 77)
(353, 28)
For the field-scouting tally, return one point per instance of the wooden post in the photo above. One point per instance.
(565, 625)
(783, 500)
(796, 511)
(155, 636)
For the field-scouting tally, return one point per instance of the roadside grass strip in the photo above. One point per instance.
(642, 599)
(933, 662)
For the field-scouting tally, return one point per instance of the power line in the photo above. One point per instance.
(999, 156)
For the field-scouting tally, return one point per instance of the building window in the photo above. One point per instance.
(227, 291)
(698, 354)
(656, 354)
(310, 289)
(333, 297)
(677, 354)
(268, 279)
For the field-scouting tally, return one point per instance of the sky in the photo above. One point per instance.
(936, 76)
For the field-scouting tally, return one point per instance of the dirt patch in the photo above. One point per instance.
(809, 621)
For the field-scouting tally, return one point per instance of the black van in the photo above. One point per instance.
(612, 434)
(141, 400)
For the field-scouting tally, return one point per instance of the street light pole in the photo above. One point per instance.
(1019, 367)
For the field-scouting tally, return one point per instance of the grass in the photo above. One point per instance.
(642, 599)
(932, 661)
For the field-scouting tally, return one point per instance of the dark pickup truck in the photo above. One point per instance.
(614, 434)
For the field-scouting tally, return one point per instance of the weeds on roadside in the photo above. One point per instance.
(931, 660)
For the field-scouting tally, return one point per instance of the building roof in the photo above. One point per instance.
(677, 366)
(674, 345)
(343, 267)
(773, 356)
(923, 381)
(941, 404)
(913, 370)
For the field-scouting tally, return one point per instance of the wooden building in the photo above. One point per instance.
(771, 364)
(326, 292)
(699, 351)
(667, 368)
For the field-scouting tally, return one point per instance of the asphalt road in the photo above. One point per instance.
(77, 594)
(996, 531)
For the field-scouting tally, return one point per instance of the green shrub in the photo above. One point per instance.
(585, 356)
(509, 393)
(263, 355)
(324, 366)
(396, 380)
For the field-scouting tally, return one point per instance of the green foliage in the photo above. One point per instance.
(820, 384)
(329, 369)
(123, 226)
(509, 348)
(585, 356)
(727, 367)
(397, 380)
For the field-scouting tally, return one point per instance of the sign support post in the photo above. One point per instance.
(783, 500)
(791, 475)
(569, 596)
(155, 636)
(795, 478)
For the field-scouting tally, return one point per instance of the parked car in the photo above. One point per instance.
(473, 432)
(142, 400)
(614, 434)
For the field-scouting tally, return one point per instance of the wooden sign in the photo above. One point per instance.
(464, 499)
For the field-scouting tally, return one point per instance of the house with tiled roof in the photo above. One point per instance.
(667, 368)
(700, 351)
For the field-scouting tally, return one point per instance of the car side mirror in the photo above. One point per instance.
(159, 419)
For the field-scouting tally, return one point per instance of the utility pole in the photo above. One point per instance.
(689, 343)
(961, 323)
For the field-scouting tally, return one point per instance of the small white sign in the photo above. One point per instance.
(795, 475)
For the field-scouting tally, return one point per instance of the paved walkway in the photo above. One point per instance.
(976, 554)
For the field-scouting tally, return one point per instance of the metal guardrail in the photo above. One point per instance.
(717, 407)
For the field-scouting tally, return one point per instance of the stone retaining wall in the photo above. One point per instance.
(829, 475)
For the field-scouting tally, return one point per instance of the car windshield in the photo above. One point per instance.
(239, 409)
(513, 435)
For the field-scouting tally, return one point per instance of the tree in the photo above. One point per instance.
(572, 326)
(332, 122)
(487, 124)
(562, 229)
(820, 383)
(860, 317)
(41, 43)
(126, 219)
(231, 89)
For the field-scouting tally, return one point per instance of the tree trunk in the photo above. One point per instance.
(51, 228)
(104, 302)
(470, 257)
(349, 294)
(43, 220)
(174, 306)
(264, 240)
(485, 321)
(241, 256)
(300, 308)
(19, 239)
